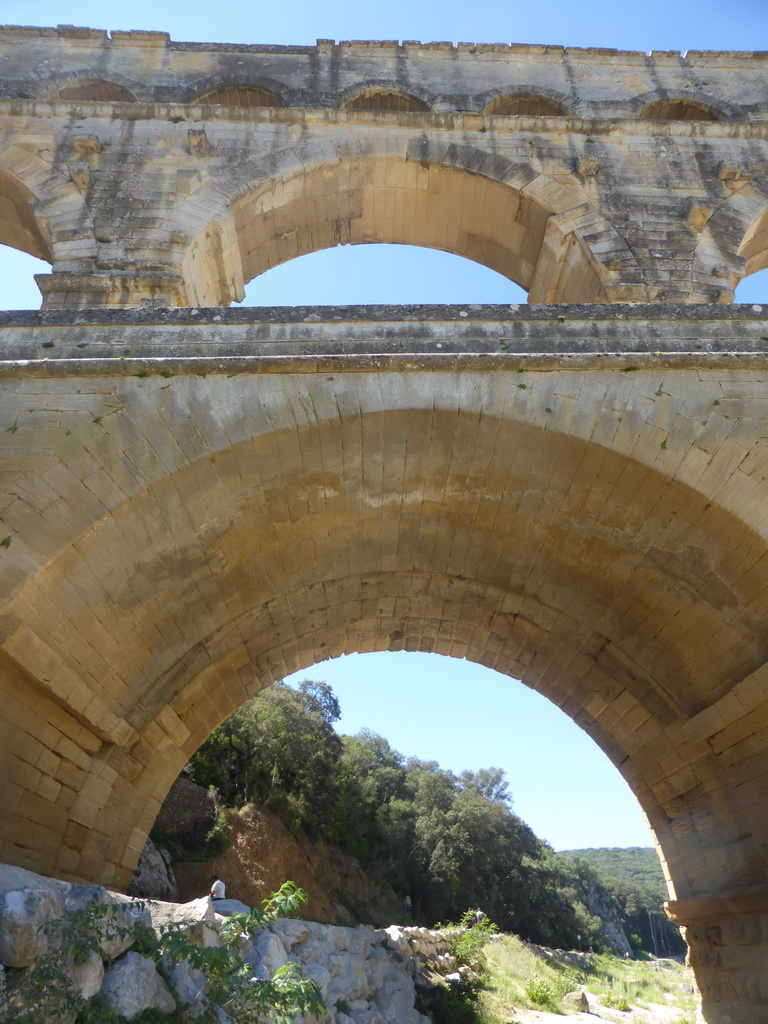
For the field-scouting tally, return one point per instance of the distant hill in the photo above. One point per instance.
(634, 878)
(636, 866)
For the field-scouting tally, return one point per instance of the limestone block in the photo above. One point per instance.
(228, 908)
(577, 1001)
(190, 984)
(195, 919)
(315, 949)
(132, 984)
(376, 964)
(88, 976)
(290, 933)
(350, 978)
(322, 977)
(396, 940)
(267, 951)
(396, 1004)
(122, 915)
(22, 913)
(357, 940)
(367, 1016)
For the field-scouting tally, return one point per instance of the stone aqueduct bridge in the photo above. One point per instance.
(196, 502)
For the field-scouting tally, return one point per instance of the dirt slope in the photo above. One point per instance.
(263, 854)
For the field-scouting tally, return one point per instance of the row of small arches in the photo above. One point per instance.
(393, 100)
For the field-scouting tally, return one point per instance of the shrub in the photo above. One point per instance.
(539, 992)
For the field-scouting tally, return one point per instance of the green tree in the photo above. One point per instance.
(280, 747)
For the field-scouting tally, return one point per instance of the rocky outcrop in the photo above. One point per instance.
(186, 817)
(132, 984)
(29, 902)
(154, 877)
(365, 976)
(602, 906)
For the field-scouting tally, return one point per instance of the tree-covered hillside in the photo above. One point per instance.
(631, 865)
(634, 878)
(444, 842)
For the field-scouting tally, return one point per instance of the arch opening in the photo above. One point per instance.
(18, 225)
(469, 730)
(678, 109)
(94, 89)
(387, 100)
(305, 563)
(18, 289)
(406, 202)
(248, 97)
(385, 274)
(754, 246)
(753, 287)
(472, 713)
(529, 103)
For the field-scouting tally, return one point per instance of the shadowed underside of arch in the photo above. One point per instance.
(18, 226)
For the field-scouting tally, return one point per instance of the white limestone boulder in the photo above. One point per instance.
(88, 976)
(349, 977)
(132, 984)
(228, 908)
(190, 985)
(23, 913)
(118, 921)
(195, 919)
(290, 933)
(266, 951)
(396, 940)
(321, 976)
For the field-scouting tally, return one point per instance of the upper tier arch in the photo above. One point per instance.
(452, 197)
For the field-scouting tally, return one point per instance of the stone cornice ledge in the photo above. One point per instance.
(143, 342)
(750, 901)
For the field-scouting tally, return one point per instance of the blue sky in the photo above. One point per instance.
(461, 715)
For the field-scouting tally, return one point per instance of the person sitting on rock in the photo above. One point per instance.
(217, 888)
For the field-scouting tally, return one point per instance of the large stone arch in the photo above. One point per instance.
(223, 531)
(540, 233)
(300, 558)
(25, 181)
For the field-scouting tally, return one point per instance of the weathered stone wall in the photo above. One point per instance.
(162, 173)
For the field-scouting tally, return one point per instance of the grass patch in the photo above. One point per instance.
(525, 977)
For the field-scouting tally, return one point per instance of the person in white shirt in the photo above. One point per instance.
(217, 888)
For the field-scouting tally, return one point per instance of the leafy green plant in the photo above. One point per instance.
(616, 1003)
(539, 992)
(467, 941)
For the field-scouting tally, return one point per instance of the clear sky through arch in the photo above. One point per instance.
(379, 274)
(585, 802)
(466, 717)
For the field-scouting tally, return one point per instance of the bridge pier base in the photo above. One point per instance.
(727, 938)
